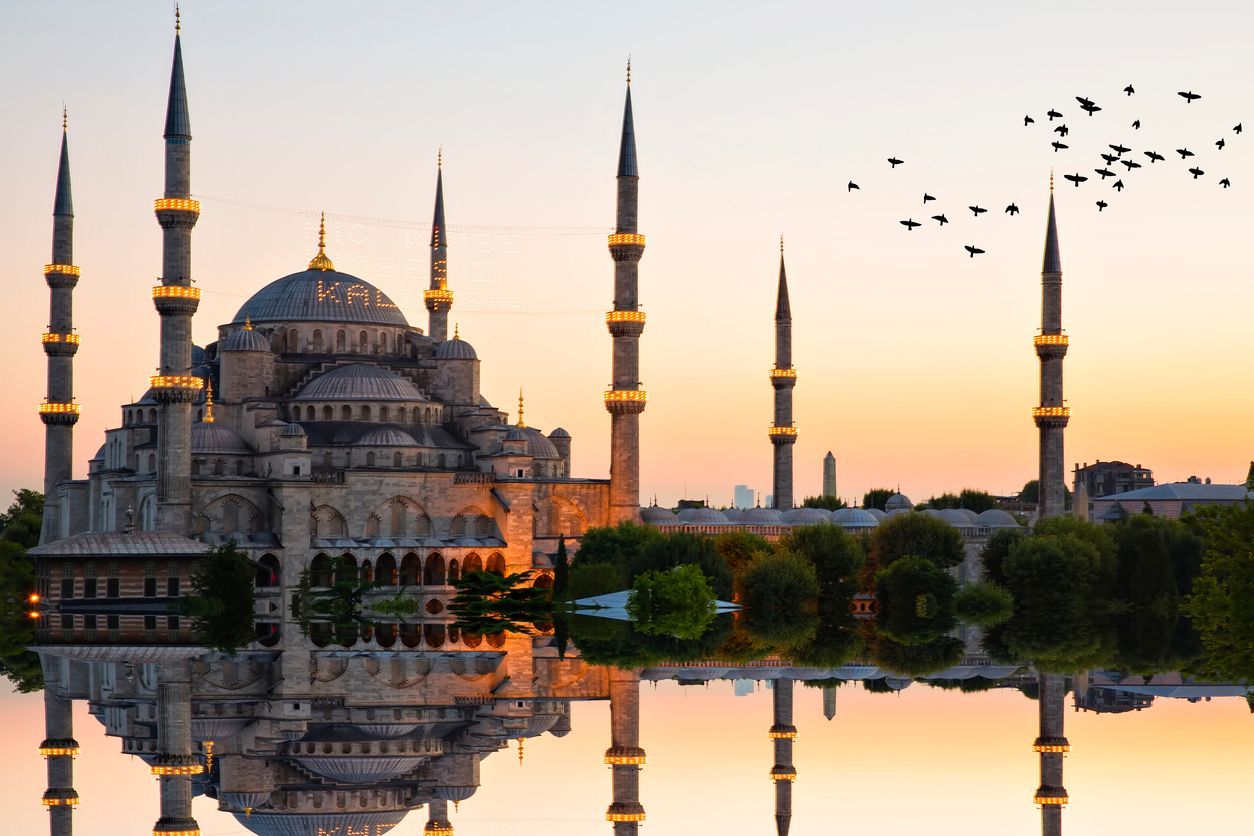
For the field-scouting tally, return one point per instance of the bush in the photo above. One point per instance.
(917, 535)
(779, 592)
(984, 604)
(916, 599)
(674, 602)
(739, 548)
(836, 556)
(671, 550)
(619, 545)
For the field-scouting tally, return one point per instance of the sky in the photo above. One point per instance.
(915, 362)
(884, 758)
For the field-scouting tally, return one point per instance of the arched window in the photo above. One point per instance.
(365, 412)
(454, 571)
(309, 413)
(372, 526)
(152, 416)
(383, 343)
(363, 342)
(370, 459)
(346, 413)
(433, 635)
(496, 564)
(399, 518)
(366, 574)
(195, 467)
(317, 340)
(433, 571)
(473, 563)
(327, 413)
(409, 570)
(397, 460)
(383, 413)
(385, 570)
(218, 464)
(327, 461)
(239, 467)
(339, 341)
(484, 526)
(293, 340)
(457, 526)
(320, 570)
(427, 416)
(268, 571)
(152, 462)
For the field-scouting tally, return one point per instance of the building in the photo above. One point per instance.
(782, 432)
(1105, 478)
(742, 497)
(1169, 500)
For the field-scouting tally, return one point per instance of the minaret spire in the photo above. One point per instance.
(58, 412)
(60, 748)
(783, 773)
(1051, 744)
(625, 757)
(625, 400)
(1051, 416)
(782, 432)
(438, 298)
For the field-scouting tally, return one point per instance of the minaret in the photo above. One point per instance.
(58, 411)
(1051, 346)
(829, 699)
(438, 823)
(782, 433)
(829, 475)
(438, 297)
(59, 747)
(625, 399)
(783, 773)
(175, 763)
(1051, 744)
(625, 757)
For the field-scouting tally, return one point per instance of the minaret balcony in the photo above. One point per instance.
(60, 747)
(783, 773)
(176, 212)
(783, 733)
(433, 829)
(1051, 745)
(625, 811)
(61, 276)
(54, 413)
(782, 435)
(1049, 346)
(625, 323)
(176, 299)
(60, 798)
(181, 831)
(626, 246)
(438, 299)
(60, 344)
(1050, 796)
(1051, 416)
(625, 756)
(625, 401)
(176, 388)
(783, 378)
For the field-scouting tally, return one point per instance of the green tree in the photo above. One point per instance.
(876, 497)
(998, 547)
(1031, 492)
(671, 550)
(917, 660)
(561, 569)
(19, 531)
(221, 603)
(591, 579)
(984, 604)
(739, 548)
(672, 602)
(618, 545)
(827, 503)
(919, 535)
(779, 592)
(916, 600)
(22, 521)
(1220, 602)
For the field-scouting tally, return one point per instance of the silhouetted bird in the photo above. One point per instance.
(1101, 204)
(910, 224)
(1089, 108)
(1184, 153)
(1154, 156)
(1129, 90)
(894, 162)
(1136, 125)
(1012, 209)
(1131, 165)
(1053, 114)
(1119, 149)
(1058, 146)
(927, 197)
(1062, 130)
(941, 220)
(1225, 183)
(1220, 144)
(853, 185)
(974, 251)
(1237, 128)
(1118, 186)
(1105, 172)
(977, 211)
(1189, 96)
(1076, 178)
(1109, 158)
(1196, 172)
(1027, 120)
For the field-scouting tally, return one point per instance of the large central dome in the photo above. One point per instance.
(321, 296)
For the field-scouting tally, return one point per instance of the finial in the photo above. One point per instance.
(628, 70)
(65, 118)
(320, 261)
(1051, 179)
(457, 334)
(208, 419)
(520, 751)
(322, 231)
(178, 23)
(781, 243)
(248, 322)
(520, 408)
(439, 157)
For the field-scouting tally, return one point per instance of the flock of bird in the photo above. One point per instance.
(1108, 169)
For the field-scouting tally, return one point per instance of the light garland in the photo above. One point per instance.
(624, 316)
(63, 269)
(177, 770)
(625, 396)
(1051, 339)
(619, 239)
(175, 291)
(176, 204)
(1051, 412)
(788, 372)
(438, 295)
(175, 381)
(774, 430)
(52, 408)
(55, 337)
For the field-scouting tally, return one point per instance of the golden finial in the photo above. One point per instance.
(628, 70)
(248, 322)
(781, 243)
(521, 423)
(178, 23)
(320, 261)
(439, 157)
(520, 751)
(457, 334)
(208, 419)
(65, 117)
(1051, 179)
(209, 744)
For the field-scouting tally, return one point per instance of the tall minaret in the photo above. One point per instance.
(176, 301)
(438, 823)
(438, 297)
(175, 762)
(783, 773)
(58, 411)
(1051, 744)
(625, 757)
(1051, 346)
(782, 433)
(59, 747)
(625, 399)
(829, 475)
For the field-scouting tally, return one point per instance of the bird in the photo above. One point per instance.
(1129, 90)
(1053, 114)
(1131, 165)
(1012, 209)
(1154, 156)
(1062, 130)
(1119, 149)
(1225, 182)
(1236, 128)
(853, 185)
(1109, 158)
(1219, 143)
(1028, 120)
(894, 162)
(1058, 146)
(1136, 125)
(1077, 179)
(1118, 186)
(927, 197)
(1088, 107)
(1196, 172)
(1101, 204)
(973, 250)
(1105, 172)
(1184, 153)
(941, 220)
(910, 224)
(977, 211)
(1189, 96)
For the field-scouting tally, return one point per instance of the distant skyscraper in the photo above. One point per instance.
(742, 496)
(829, 474)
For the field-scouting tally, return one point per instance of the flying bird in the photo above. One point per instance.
(941, 220)
(910, 224)
(1189, 97)
(977, 211)
(1062, 130)
(927, 197)
(1027, 120)
(1119, 149)
(1012, 209)
(1129, 90)
(1118, 186)
(1053, 114)
(1077, 179)
(1154, 156)
(1058, 146)
(1101, 204)
(1105, 172)
(1131, 165)
(1136, 125)
(1196, 172)
(853, 185)
(1220, 144)
(974, 251)
(1184, 153)
(1225, 183)
(894, 162)
(1237, 128)
(1088, 107)
(1109, 158)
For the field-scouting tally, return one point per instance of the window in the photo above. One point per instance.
(67, 621)
(112, 588)
(89, 587)
(89, 622)
(172, 587)
(112, 622)
(150, 622)
(67, 587)
(296, 470)
(171, 622)
(150, 587)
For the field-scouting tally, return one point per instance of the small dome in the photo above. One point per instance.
(359, 382)
(386, 436)
(896, 501)
(455, 349)
(655, 515)
(241, 801)
(733, 514)
(559, 433)
(454, 794)
(293, 431)
(539, 724)
(896, 512)
(855, 518)
(216, 438)
(807, 516)
(957, 517)
(702, 516)
(997, 518)
(875, 512)
(761, 516)
(217, 728)
(538, 446)
(359, 770)
(246, 339)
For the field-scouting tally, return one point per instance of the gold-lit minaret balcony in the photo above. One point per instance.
(620, 239)
(625, 400)
(783, 773)
(1051, 416)
(433, 829)
(782, 435)
(176, 299)
(625, 756)
(624, 323)
(783, 733)
(176, 204)
(67, 747)
(1047, 796)
(62, 270)
(1051, 345)
(437, 297)
(60, 343)
(1051, 745)
(55, 337)
(59, 413)
(60, 798)
(783, 378)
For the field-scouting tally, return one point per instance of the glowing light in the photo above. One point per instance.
(624, 316)
(175, 291)
(433, 829)
(34, 598)
(58, 408)
(58, 801)
(619, 239)
(782, 774)
(438, 295)
(193, 832)
(1050, 799)
(182, 769)
(625, 760)
(54, 337)
(63, 269)
(175, 381)
(1051, 339)
(625, 396)
(774, 430)
(1051, 747)
(611, 816)
(783, 734)
(58, 751)
(1051, 412)
(176, 204)
(32, 614)
(788, 372)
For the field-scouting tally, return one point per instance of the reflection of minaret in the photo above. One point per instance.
(1052, 745)
(783, 377)
(175, 763)
(829, 701)
(437, 819)
(783, 733)
(438, 298)
(1051, 346)
(59, 747)
(625, 399)
(625, 757)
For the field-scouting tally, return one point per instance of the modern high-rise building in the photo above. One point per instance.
(742, 497)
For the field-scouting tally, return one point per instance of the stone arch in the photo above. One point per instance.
(340, 338)
(384, 413)
(433, 572)
(366, 571)
(363, 343)
(472, 563)
(365, 412)
(328, 413)
(411, 566)
(543, 582)
(496, 564)
(385, 570)
(231, 513)
(566, 517)
(269, 572)
(346, 413)
(293, 340)
(433, 635)
(320, 570)
(370, 458)
(345, 568)
(317, 341)
(309, 413)
(454, 571)
(372, 526)
(328, 522)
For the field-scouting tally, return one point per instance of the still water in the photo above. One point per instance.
(514, 740)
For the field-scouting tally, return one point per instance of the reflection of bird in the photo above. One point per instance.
(1119, 149)
(1131, 165)
(1053, 114)
(894, 162)
(1184, 153)
(1136, 125)
(1101, 204)
(1129, 90)
(853, 185)
(1154, 156)
(1225, 183)
(974, 251)
(1012, 209)
(1189, 96)
(1237, 128)
(1219, 144)
(1196, 172)
(941, 220)
(1076, 178)
(1027, 120)
(927, 197)
(1118, 186)
(1058, 146)
(910, 224)
(977, 211)
(1105, 172)
(1062, 130)
(1109, 158)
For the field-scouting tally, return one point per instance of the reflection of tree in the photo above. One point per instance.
(916, 599)
(675, 602)
(779, 592)
(488, 603)
(919, 659)
(19, 531)
(603, 641)
(221, 604)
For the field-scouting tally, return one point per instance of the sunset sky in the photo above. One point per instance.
(915, 362)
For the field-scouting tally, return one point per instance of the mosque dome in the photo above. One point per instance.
(898, 501)
(321, 296)
(359, 382)
(807, 516)
(386, 436)
(656, 515)
(898, 683)
(559, 433)
(702, 516)
(538, 445)
(293, 431)
(386, 730)
(761, 516)
(854, 518)
(246, 339)
(733, 514)
(958, 517)
(295, 824)
(358, 770)
(455, 349)
(217, 728)
(875, 512)
(997, 518)
(454, 794)
(243, 800)
(216, 438)
(539, 724)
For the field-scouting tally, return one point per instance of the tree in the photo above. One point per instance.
(916, 600)
(999, 544)
(221, 603)
(672, 602)
(920, 535)
(1032, 493)
(876, 497)
(561, 568)
(19, 531)
(739, 548)
(984, 604)
(779, 592)
(971, 499)
(836, 556)
(917, 660)
(617, 545)
(590, 579)
(1220, 601)
(827, 503)
(22, 521)
(671, 550)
